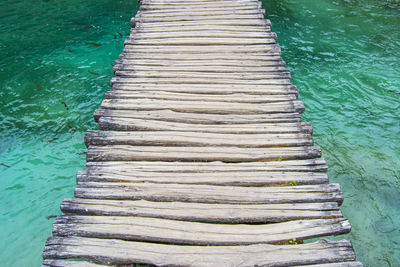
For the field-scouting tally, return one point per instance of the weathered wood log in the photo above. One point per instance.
(193, 88)
(120, 252)
(206, 107)
(178, 138)
(205, 80)
(274, 55)
(176, 11)
(133, 124)
(227, 154)
(209, 193)
(158, 74)
(140, 34)
(184, 28)
(195, 118)
(201, 41)
(144, 19)
(195, 233)
(213, 213)
(308, 165)
(198, 49)
(231, 98)
(206, 69)
(225, 178)
(139, 63)
(197, 6)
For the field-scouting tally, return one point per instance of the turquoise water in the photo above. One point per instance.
(344, 57)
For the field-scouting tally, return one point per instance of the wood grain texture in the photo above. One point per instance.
(209, 193)
(201, 212)
(308, 165)
(176, 138)
(106, 251)
(195, 118)
(195, 233)
(133, 124)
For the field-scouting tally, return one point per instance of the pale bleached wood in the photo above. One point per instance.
(242, 178)
(195, 233)
(191, 28)
(142, 35)
(207, 107)
(177, 138)
(201, 41)
(159, 74)
(176, 11)
(133, 124)
(188, 81)
(230, 63)
(120, 252)
(199, 13)
(200, 5)
(237, 70)
(232, 98)
(214, 213)
(195, 118)
(206, 57)
(307, 165)
(228, 154)
(209, 193)
(261, 89)
(198, 49)
(187, 17)
(209, 22)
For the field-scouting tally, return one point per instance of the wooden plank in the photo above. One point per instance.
(201, 41)
(205, 68)
(194, 6)
(187, 17)
(206, 57)
(205, 80)
(210, 193)
(139, 63)
(158, 74)
(195, 118)
(199, 49)
(178, 138)
(308, 165)
(176, 11)
(226, 28)
(209, 22)
(191, 153)
(193, 88)
(231, 98)
(220, 178)
(195, 233)
(132, 124)
(200, 212)
(206, 107)
(105, 251)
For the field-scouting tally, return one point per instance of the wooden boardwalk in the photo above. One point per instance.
(201, 158)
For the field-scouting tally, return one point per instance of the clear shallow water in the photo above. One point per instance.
(344, 57)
